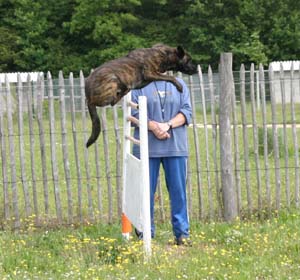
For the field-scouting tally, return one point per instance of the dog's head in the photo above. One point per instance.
(185, 63)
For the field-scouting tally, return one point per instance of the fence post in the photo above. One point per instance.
(226, 93)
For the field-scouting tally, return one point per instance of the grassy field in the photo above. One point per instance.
(248, 249)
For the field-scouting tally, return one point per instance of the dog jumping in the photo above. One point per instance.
(107, 84)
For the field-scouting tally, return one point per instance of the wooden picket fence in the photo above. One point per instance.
(48, 176)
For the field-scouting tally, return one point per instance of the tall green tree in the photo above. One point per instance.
(280, 29)
(258, 31)
(8, 38)
(103, 30)
(36, 29)
(31, 24)
(82, 34)
(218, 26)
(8, 50)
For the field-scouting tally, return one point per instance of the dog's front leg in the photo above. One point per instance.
(149, 76)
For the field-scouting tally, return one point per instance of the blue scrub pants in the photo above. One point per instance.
(175, 169)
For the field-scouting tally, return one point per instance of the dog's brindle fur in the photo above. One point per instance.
(108, 83)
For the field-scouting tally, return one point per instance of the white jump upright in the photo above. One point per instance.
(136, 189)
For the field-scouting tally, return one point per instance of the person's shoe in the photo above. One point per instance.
(183, 241)
(139, 234)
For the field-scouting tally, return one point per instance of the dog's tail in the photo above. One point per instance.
(96, 126)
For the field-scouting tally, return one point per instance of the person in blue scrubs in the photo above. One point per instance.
(169, 113)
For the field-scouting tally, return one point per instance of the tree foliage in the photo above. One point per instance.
(71, 35)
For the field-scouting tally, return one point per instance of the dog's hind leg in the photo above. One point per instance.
(120, 94)
(96, 126)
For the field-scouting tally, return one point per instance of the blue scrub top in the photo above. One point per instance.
(164, 102)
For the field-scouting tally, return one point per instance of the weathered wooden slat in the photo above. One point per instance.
(255, 136)
(209, 187)
(12, 158)
(99, 185)
(118, 160)
(245, 137)
(75, 145)
(64, 146)
(107, 163)
(236, 152)
(21, 147)
(228, 188)
(294, 132)
(275, 139)
(53, 148)
(285, 137)
(189, 178)
(40, 94)
(30, 109)
(265, 135)
(86, 153)
(4, 158)
(258, 98)
(215, 138)
(197, 149)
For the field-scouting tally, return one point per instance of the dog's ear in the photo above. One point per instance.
(180, 52)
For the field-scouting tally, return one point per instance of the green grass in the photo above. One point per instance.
(248, 249)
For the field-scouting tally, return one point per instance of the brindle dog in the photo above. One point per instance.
(108, 83)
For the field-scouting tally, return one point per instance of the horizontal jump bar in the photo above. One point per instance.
(134, 120)
(132, 139)
(133, 105)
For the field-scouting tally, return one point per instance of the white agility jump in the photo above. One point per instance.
(136, 189)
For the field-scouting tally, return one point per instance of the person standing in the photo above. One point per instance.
(169, 113)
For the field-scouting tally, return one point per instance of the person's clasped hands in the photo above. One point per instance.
(160, 130)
